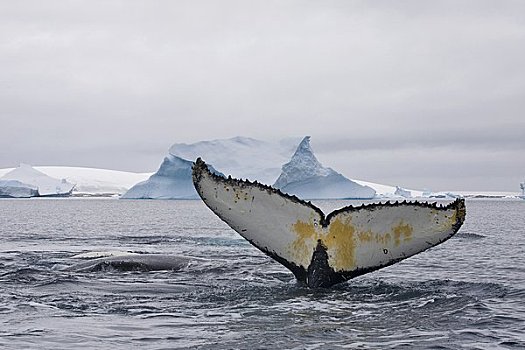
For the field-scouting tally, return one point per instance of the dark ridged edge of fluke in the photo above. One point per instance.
(458, 205)
(200, 166)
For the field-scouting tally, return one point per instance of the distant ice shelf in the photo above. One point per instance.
(91, 181)
(46, 185)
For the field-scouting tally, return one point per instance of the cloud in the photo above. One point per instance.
(105, 82)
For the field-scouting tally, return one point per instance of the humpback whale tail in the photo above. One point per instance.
(322, 250)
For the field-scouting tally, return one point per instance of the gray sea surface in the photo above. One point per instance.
(468, 293)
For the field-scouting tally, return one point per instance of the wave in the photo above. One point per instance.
(469, 235)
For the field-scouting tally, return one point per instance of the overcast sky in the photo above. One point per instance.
(424, 94)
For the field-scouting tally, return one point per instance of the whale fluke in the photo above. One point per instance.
(322, 250)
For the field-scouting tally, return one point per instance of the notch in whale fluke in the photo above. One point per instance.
(322, 250)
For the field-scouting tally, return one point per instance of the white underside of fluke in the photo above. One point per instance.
(356, 240)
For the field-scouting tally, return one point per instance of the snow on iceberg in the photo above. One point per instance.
(240, 157)
(47, 186)
(305, 177)
(17, 189)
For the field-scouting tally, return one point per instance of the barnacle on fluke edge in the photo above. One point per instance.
(322, 250)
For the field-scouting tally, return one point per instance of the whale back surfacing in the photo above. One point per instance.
(132, 262)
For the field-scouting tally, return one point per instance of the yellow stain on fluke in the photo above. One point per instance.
(340, 243)
(402, 232)
(304, 244)
(341, 238)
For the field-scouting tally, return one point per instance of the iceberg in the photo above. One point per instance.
(402, 192)
(171, 181)
(17, 189)
(305, 177)
(239, 156)
(47, 186)
(247, 158)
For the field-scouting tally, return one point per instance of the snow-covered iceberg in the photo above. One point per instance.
(47, 186)
(239, 156)
(305, 177)
(16, 189)
(171, 181)
(403, 192)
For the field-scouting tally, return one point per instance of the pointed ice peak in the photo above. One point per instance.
(304, 146)
(304, 159)
(304, 149)
(303, 165)
(305, 177)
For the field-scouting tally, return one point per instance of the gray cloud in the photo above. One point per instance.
(424, 86)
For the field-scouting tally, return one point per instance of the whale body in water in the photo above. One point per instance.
(322, 250)
(130, 262)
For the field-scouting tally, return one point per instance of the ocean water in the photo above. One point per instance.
(468, 293)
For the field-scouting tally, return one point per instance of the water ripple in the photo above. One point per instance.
(467, 293)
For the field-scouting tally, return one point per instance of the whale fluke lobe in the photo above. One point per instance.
(323, 250)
